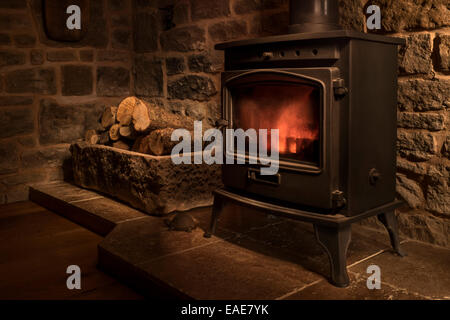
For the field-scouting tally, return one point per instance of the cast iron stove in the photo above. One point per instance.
(332, 94)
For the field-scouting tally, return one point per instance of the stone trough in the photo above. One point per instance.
(152, 184)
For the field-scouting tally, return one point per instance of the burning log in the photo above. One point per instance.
(93, 137)
(108, 117)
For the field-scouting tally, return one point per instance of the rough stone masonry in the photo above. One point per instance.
(163, 51)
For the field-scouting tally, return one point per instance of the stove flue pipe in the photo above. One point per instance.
(313, 15)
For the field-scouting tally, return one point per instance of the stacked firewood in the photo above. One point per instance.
(139, 126)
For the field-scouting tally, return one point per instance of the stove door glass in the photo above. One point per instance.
(294, 108)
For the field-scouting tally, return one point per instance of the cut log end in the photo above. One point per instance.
(114, 133)
(108, 117)
(93, 137)
(121, 145)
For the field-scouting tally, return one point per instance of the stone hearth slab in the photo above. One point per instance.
(87, 208)
(151, 258)
(253, 256)
(267, 259)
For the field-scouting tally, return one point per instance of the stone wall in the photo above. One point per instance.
(176, 64)
(51, 92)
(423, 143)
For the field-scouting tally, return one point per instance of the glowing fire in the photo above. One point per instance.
(292, 109)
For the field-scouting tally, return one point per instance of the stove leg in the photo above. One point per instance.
(335, 241)
(216, 210)
(389, 220)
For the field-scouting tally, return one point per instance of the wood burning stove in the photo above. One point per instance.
(332, 95)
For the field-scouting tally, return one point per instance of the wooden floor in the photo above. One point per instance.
(37, 246)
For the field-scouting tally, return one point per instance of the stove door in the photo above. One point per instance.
(300, 104)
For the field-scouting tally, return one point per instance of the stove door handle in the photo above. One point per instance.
(255, 175)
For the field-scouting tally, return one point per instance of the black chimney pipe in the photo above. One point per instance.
(313, 15)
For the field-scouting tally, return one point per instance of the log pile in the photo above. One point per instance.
(139, 126)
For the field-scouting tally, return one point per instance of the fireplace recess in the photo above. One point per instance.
(332, 94)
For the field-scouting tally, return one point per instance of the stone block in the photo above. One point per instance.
(224, 31)
(66, 123)
(76, 80)
(423, 95)
(351, 14)
(438, 196)
(9, 158)
(37, 57)
(118, 5)
(428, 121)
(14, 21)
(87, 55)
(415, 56)
(61, 55)
(148, 77)
(113, 82)
(175, 66)
(443, 52)
(25, 177)
(183, 39)
(11, 58)
(15, 100)
(446, 147)
(208, 9)
(180, 13)
(191, 87)
(16, 121)
(24, 40)
(200, 63)
(121, 39)
(145, 35)
(419, 146)
(27, 141)
(410, 191)
(49, 157)
(113, 56)
(35, 80)
(152, 184)
(5, 39)
(120, 20)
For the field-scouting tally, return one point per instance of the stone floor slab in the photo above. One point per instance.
(357, 290)
(229, 270)
(149, 238)
(424, 271)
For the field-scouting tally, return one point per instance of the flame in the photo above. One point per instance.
(291, 109)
